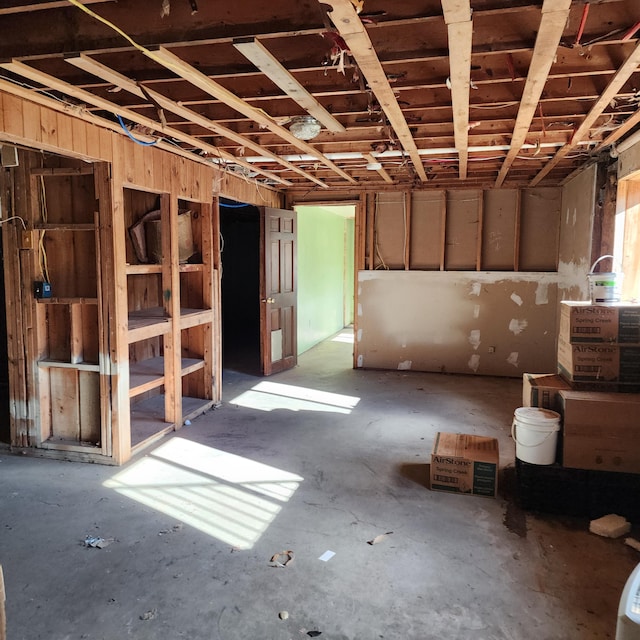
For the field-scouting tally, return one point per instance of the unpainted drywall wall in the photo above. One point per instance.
(457, 322)
(576, 224)
(323, 284)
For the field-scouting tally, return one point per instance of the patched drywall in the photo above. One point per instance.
(576, 225)
(480, 323)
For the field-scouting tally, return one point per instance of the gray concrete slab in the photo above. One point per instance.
(314, 459)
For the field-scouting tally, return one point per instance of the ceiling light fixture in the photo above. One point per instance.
(305, 127)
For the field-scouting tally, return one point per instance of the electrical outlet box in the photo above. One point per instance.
(27, 240)
(41, 290)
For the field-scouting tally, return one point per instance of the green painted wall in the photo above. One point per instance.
(325, 273)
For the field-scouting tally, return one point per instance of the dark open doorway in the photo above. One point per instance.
(240, 229)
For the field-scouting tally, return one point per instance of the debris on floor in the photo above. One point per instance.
(97, 543)
(283, 615)
(282, 559)
(174, 529)
(611, 526)
(327, 555)
(379, 538)
(314, 634)
(149, 615)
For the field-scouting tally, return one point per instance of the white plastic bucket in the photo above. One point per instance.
(604, 287)
(535, 431)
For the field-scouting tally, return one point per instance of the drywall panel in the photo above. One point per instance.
(539, 228)
(322, 282)
(478, 323)
(576, 224)
(500, 221)
(389, 230)
(463, 226)
(427, 229)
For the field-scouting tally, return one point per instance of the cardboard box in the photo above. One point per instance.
(585, 322)
(462, 463)
(542, 390)
(598, 362)
(601, 431)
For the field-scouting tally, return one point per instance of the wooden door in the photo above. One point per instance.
(278, 339)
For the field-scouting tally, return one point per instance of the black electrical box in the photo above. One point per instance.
(42, 290)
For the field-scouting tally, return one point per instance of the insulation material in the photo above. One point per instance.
(463, 332)
(389, 231)
(499, 225)
(539, 229)
(462, 229)
(427, 229)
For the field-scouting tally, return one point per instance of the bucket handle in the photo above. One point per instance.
(593, 266)
(522, 444)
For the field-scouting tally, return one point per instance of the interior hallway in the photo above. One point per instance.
(194, 528)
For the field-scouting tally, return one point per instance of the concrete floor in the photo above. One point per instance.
(196, 520)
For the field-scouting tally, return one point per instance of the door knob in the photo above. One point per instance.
(268, 300)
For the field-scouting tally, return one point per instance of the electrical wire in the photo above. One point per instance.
(240, 205)
(142, 143)
(24, 225)
(44, 265)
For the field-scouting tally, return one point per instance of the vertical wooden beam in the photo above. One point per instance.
(443, 231)
(217, 304)
(75, 337)
(516, 239)
(480, 231)
(371, 223)
(407, 230)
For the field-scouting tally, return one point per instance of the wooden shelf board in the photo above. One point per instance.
(67, 300)
(145, 375)
(148, 323)
(193, 407)
(142, 269)
(147, 422)
(70, 445)
(190, 365)
(67, 226)
(194, 317)
(188, 268)
(61, 364)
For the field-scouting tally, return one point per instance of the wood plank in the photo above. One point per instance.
(42, 6)
(626, 70)
(51, 363)
(350, 27)
(407, 230)
(75, 339)
(517, 233)
(552, 25)
(12, 108)
(71, 226)
(65, 413)
(443, 232)
(200, 80)
(89, 406)
(480, 231)
(371, 220)
(381, 171)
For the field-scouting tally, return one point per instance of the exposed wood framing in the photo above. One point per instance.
(552, 26)
(625, 127)
(457, 15)
(197, 78)
(262, 58)
(42, 6)
(350, 27)
(382, 171)
(628, 67)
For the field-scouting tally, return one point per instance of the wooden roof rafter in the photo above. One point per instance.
(50, 82)
(86, 63)
(552, 25)
(457, 16)
(628, 67)
(350, 27)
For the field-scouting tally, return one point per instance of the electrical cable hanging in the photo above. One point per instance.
(142, 143)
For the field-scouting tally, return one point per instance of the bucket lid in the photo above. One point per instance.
(537, 415)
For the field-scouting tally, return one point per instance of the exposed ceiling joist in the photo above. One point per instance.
(51, 82)
(191, 74)
(629, 66)
(457, 16)
(263, 59)
(88, 64)
(352, 30)
(552, 25)
(625, 127)
(41, 6)
(383, 173)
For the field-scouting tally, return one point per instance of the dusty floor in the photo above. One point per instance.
(196, 520)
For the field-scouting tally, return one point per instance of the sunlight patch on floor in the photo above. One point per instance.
(268, 396)
(345, 336)
(231, 498)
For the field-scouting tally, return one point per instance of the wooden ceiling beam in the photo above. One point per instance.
(25, 71)
(457, 16)
(269, 65)
(186, 71)
(629, 66)
(350, 27)
(100, 70)
(42, 6)
(552, 25)
(625, 127)
(383, 173)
